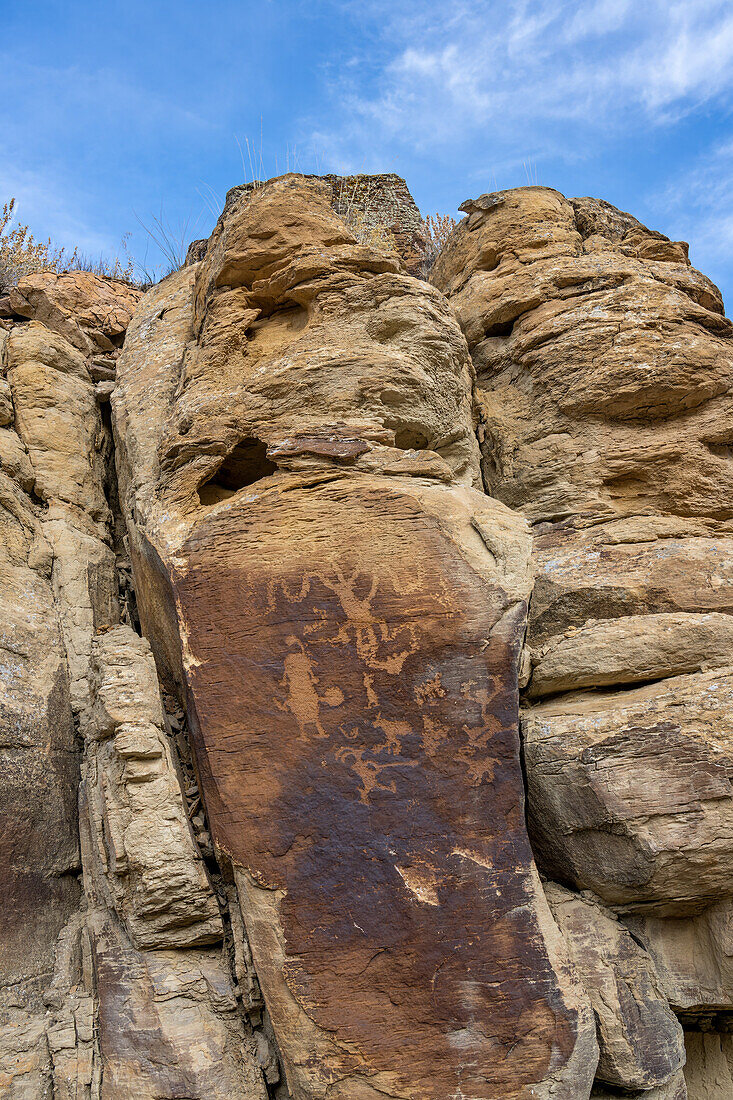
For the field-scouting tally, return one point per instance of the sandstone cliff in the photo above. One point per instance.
(367, 665)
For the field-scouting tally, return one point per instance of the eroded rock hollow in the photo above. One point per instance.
(366, 678)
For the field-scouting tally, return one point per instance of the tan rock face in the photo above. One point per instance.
(299, 863)
(603, 367)
(676, 1089)
(153, 870)
(630, 794)
(91, 313)
(693, 957)
(587, 338)
(709, 1070)
(640, 1038)
(168, 1019)
(87, 1010)
(39, 854)
(323, 349)
(344, 613)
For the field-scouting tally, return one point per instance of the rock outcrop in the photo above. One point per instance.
(332, 600)
(378, 207)
(603, 367)
(106, 988)
(343, 608)
(640, 1038)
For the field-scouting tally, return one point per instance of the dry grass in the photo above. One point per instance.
(436, 230)
(171, 240)
(21, 254)
(122, 268)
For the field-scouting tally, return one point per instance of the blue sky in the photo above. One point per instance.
(116, 110)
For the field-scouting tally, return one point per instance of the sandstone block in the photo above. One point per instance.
(154, 872)
(630, 794)
(90, 312)
(343, 614)
(604, 333)
(640, 1039)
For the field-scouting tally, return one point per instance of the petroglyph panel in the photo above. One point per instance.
(354, 680)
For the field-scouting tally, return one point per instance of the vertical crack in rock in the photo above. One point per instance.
(345, 631)
(237, 950)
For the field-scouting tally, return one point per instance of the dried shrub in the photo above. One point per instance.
(436, 230)
(21, 254)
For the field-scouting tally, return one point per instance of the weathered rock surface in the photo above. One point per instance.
(39, 854)
(587, 338)
(640, 1039)
(153, 870)
(277, 848)
(709, 1069)
(91, 313)
(377, 205)
(84, 1013)
(675, 1089)
(630, 794)
(603, 367)
(693, 957)
(344, 613)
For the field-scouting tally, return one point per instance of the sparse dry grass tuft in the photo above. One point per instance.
(123, 269)
(356, 212)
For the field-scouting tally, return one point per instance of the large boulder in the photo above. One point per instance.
(589, 333)
(630, 793)
(91, 313)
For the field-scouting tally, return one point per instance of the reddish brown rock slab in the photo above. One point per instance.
(352, 675)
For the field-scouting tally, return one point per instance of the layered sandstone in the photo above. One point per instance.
(107, 989)
(603, 365)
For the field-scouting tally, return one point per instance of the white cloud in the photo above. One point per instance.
(692, 62)
(515, 71)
